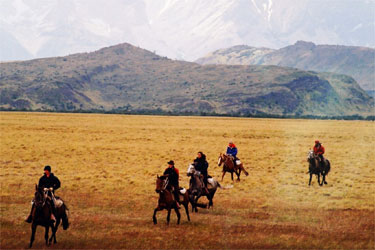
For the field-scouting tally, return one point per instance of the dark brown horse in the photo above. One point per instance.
(41, 215)
(167, 200)
(315, 167)
(230, 167)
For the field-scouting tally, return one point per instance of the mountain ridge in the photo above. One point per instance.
(355, 61)
(129, 79)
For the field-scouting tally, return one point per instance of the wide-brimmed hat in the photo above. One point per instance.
(171, 162)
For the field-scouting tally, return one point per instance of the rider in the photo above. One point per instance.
(48, 180)
(173, 175)
(232, 150)
(319, 151)
(201, 165)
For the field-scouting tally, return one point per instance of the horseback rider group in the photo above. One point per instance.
(52, 183)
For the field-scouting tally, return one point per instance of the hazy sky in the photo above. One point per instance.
(183, 29)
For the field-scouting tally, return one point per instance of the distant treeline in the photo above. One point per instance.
(178, 113)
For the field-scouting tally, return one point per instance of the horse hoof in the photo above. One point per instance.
(325, 183)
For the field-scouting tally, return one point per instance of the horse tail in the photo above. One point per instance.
(64, 217)
(243, 169)
(328, 167)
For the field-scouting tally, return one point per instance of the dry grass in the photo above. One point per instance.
(107, 165)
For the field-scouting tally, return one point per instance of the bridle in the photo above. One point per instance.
(43, 193)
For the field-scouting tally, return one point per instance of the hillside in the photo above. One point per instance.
(130, 79)
(357, 62)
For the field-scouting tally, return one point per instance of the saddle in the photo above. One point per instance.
(57, 201)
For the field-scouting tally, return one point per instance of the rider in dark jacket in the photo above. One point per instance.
(201, 165)
(173, 175)
(48, 180)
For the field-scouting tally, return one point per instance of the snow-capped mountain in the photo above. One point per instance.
(182, 29)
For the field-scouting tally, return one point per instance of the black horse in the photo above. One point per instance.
(315, 167)
(41, 215)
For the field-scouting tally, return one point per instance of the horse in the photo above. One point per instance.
(197, 188)
(230, 167)
(42, 211)
(316, 168)
(167, 200)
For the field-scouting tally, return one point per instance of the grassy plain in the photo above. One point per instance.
(107, 165)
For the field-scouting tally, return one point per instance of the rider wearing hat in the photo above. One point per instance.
(50, 181)
(319, 151)
(173, 175)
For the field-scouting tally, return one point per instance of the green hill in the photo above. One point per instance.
(130, 79)
(358, 62)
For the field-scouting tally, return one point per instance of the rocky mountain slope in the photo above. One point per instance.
(130, 79)
(358, 62)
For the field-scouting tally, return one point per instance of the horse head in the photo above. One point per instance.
(161, 183)
(310, 155)
(40, 196)
(191, 170)
(220, 160)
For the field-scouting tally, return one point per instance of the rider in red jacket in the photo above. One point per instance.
(319, 150)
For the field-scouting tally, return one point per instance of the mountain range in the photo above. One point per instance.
(184, 30)
(358, 62)
(126, 78)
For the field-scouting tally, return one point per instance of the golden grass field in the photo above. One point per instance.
(107, 165)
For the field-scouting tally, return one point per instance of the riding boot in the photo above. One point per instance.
(29, 218)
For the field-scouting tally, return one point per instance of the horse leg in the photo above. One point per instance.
(196, 202)
(186, 205)
(320, 184)
(210, 203)
(238, 173)
(324, 179)
(231, 173)
(178, 215)
(222, 177)
(169, 215)
(154, 217)
(310, 179)
(46, 235)
(33, 230)
(54, 230)
(191, 200)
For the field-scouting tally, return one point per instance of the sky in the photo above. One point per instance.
(178, 29)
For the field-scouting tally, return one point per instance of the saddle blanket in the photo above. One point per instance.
(58, 202)
(238, 162)
(211, 181)
(183, 190)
